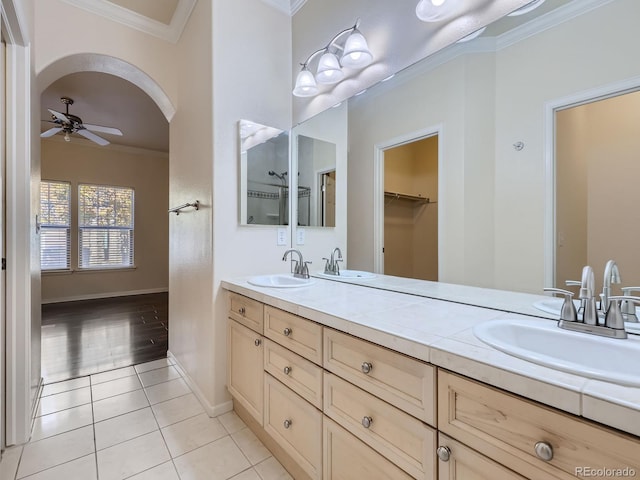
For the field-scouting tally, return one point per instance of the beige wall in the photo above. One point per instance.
(148, 174)
(597, 172)
(411, 229)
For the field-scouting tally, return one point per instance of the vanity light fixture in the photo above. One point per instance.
(353, 53)
(435, 10)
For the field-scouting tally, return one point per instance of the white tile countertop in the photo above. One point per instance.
(440, 332)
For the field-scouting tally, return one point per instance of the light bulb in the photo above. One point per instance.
(434, 10)
(306, 85)
(356, 52)
(437, 3)
(66, 137)
(329, 71)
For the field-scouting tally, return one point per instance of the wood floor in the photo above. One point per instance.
(91, 336)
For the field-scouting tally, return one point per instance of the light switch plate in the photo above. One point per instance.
(282, 237)
(300, 236)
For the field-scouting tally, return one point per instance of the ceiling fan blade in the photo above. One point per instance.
(60, 116)
(92, 136)
(101, 129)
(51, 132)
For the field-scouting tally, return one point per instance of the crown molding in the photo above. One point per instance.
(290, 7)
(116, 13)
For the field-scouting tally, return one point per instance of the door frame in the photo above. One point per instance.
(603, 92)
(18, 224)
(378, 188)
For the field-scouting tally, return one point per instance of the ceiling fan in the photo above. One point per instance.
(68, 123)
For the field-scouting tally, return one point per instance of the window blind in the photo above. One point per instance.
(55, 233)
(105, 226)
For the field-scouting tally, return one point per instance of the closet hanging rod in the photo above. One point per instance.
(404, 196)
(177, 210)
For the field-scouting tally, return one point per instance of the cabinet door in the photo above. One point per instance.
(245, 376)
(458, 462)
(347, 458)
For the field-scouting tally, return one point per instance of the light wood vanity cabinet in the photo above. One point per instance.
(244, 368)
(334, 407)
(528, 438)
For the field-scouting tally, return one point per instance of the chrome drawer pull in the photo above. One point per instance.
(242, 311)
(444, 453)
(544, 451)
(287, 332)
(257, 342)
(366, 368)
(287, 423)
(367, 421)
(287, 370)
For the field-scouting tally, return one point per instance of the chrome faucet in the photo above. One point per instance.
(611, 275)
(332, 267)
(301, 269)
(613, 324)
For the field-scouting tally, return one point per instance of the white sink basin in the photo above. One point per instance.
(553, 306)
(280, 281)
(349, 275)
(544, 343)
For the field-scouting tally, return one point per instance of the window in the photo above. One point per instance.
(105, 226)
(55, 212)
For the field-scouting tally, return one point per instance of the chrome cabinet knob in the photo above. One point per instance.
(242, 311)
(366, 367)
(544, 451)
(287, 423)
(287, 370)
(287, 332)
(257, 342)
(367, 421)
(444, 453)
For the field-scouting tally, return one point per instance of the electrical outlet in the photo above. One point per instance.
(282, 237)
(300, 236)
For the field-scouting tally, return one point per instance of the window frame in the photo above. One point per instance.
(43, 227)
(110, 228)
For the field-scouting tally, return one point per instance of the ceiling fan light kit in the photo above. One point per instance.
(69, 123)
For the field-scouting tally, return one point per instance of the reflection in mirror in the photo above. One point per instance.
(264, 165)
(316, 182)
(597, 192)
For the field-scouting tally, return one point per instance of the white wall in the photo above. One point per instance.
(252, 61)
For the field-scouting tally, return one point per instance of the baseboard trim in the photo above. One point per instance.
(93, 296)
(212, 410)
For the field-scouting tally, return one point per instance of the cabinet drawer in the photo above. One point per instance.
(404, 382)
(246, 311)
(347, 458)
(297, 373)
(294, 424)
(507, 428)
(296, 333)
(464, 463)
(245, 374)
(403, 439)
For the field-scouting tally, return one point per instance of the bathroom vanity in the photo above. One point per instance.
(344, 381)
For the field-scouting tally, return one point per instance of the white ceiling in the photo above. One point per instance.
(103, 99)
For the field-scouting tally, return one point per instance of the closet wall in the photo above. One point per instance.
(410, 223)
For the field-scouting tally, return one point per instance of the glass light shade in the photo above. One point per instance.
(472, 36)
(434, 10)
(526, 9)
(329, 71)
(356, 52)
(306, 85)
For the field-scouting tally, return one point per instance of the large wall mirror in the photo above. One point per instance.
(496, 100)
(264, 174)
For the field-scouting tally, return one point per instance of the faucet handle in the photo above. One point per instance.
(627, 307)
(568, 311)
(573, 283)
(614, 318)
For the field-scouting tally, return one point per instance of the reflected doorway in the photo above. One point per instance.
(597, 170)
(410, 245)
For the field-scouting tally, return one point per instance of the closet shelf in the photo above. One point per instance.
(404, 196)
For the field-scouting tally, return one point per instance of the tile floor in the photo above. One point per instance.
(140, 423)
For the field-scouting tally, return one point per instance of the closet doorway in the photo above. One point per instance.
(410, 239)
